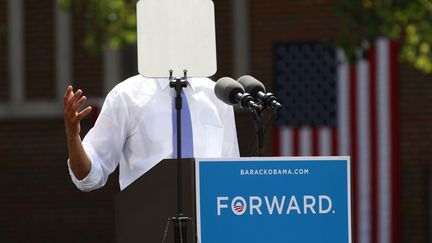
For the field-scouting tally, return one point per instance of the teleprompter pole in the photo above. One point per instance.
(180, 221)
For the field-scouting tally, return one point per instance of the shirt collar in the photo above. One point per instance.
(164, 83)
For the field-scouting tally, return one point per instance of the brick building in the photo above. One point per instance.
(42, 53)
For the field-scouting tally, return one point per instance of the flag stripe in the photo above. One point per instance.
(296, 142)
(353, 147)
(325, 141)
(334, 141)
(394, 219)
(305, 141)
(343, 104)
(373, 141)
(363, 162)
(384, 141)
(277, 144)
(315, 141)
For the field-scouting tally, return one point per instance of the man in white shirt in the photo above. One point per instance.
(134, 129)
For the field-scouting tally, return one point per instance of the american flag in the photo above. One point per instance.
(333, 108)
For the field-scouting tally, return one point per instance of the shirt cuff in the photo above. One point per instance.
(93, 178)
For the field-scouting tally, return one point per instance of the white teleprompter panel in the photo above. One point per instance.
(176, 35)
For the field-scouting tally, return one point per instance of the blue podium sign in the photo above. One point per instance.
(280, 199)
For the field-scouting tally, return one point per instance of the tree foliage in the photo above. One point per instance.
(408, 21)
(112, 23)
(109, 23)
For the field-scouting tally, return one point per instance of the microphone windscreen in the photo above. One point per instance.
(251, 85)
(226, 89)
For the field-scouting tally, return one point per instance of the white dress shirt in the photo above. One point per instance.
(134, 129)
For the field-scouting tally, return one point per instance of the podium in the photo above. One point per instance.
(267, 199)
(142, 208)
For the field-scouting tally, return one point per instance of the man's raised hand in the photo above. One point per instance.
(72, 116)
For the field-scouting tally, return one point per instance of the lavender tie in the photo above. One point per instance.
(186, 129)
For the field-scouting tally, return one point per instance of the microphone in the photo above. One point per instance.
(231, 92)
(257, 90)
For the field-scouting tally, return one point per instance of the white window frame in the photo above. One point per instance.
(17, 106)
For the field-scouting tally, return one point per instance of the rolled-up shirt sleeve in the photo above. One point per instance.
(94, 178)
(104, 143)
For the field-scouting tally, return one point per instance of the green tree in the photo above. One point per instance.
(110, 23)
(407, 21)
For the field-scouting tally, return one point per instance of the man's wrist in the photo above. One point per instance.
(73, 138)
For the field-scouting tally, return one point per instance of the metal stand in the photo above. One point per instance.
(259, 126)
(180, 221)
